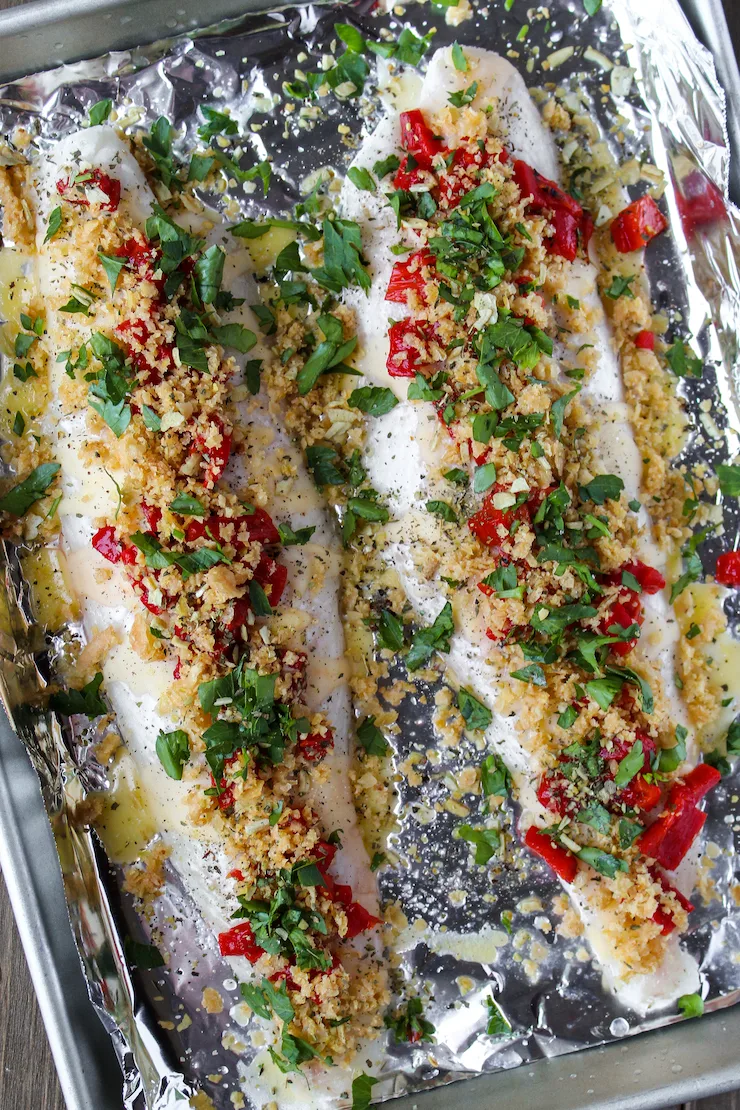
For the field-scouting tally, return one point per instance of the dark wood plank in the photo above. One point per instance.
(28, 1080)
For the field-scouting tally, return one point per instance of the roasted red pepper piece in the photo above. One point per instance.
(566, 215)
(315, 746)
(418, 139)
(650, 579)
(637, 224)
(563, 862)
(727, 571)
(359, 920)
(679, 838)
(645, 340)
(661, 916)
(407, 275)
(107, 544)
(699, 201)
(552, 793)
(216, 457)
(695, 785)
(111, 186)
(239, 941)
(259, 525)
(640, 794)
(272, 577)
(409, 347)
(491, 525)
(152, 515)
(669, 838)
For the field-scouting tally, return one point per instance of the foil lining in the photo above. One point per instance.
(555, 1003)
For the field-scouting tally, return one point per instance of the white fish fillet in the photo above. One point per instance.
(402, 444)
(133, 685)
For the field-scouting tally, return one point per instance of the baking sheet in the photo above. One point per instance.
(448, 1093)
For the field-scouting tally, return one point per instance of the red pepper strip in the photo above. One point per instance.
(640, 794)
(727, 571)
(695, 785)
(699, 201)
(106, 544)
(236, 874)
(567, 216)
(637, 224)
(563, 862)
(111, 186)
(258, 525)
(408, 351)
(272, 577)
(645, 340)
(490, 525)
(661, 916)
(552, 793)
(418, 139)
(669, 838)
(239, 941)
(564, 242)
(620, 748)
(650, 579)
(359, 920)
(315, 746)
(152, 515)
(407, 275)
(680, 837)
(216, 457)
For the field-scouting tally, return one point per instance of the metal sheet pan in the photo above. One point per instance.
(676, 1064)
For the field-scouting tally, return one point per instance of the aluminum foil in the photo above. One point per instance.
(548, 987)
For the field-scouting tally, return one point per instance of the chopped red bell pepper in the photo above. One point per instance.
(258, 525)
(699, 201)
(315, 746)
(552, 793)
(359, 920)
(107, 544)
(727, 571)
(637, 224)
(152, 515)
(640, 794)
(491, 525)
(566, 214)
(418, 139)
(408, 275)
(409, 347)
(563, 862)
(694, 786)
(661, 916)
(111, 186)
(216, 457)
(272, 577)
(650, 579)
(565, 240)
(645, 340)
(669, 838)
(680, 837)
(239, 941)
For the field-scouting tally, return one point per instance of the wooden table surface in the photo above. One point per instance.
(28, 1080)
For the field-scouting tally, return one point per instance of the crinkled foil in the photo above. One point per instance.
(549, 987)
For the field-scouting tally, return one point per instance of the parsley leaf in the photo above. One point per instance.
(375, 400)
(173, 751)
(682, 360)
(86, 701)
(99, 112)
(620, 287)
(290, 538)
(428, 640)
(476, 715)
(362, 1091)
(362, 179)
(604, 487)
(486, 841)
(371, 738)
(18, 500)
